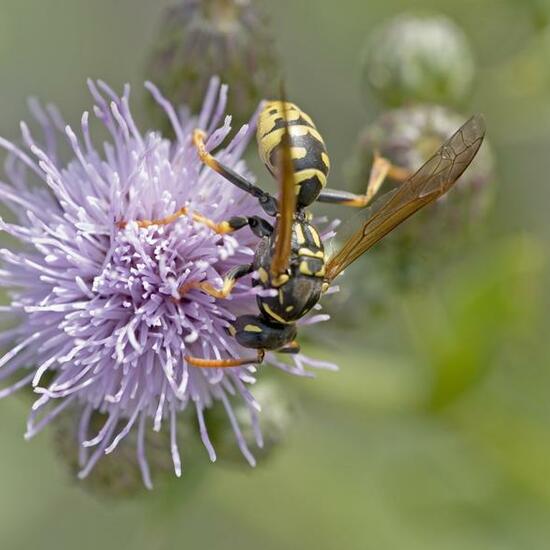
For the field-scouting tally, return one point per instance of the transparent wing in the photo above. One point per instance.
(287, 200)
(432, 181)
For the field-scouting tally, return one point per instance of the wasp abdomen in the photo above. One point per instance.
(253, 331)
(308, 150)
(308, 250)
(300, 288)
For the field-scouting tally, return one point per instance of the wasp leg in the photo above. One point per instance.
(292, 347)
(121, 224)
(226, 363)
(219, 227)
(381, 169)
(229, 282)
(258, 225)
(267, 202)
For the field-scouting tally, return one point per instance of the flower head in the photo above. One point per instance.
(99, 324)
(419, 59)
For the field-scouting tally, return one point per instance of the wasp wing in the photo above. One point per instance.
(431, 181)
(287, 200)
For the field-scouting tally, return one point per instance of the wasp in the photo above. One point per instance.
(290, 258)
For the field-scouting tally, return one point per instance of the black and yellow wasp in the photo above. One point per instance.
(290, 257)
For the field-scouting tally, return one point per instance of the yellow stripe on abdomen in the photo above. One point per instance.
(310, 173)
(270, 141)
(307, 148)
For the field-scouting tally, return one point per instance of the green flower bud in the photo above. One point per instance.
(540, 13)
(273, 422)
(227, 38)
(419, 59)
(408, 137)
(118, 474)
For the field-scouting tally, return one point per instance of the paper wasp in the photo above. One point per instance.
(290, 257)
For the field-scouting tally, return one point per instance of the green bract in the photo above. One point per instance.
(119, 475)
(227, 38)
(273, 422)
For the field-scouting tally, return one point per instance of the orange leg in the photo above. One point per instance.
(267, 202)
(221, 227)
(222, 293)
(199, 137)
(229, 282)
(381, 169)
(225, 363)
(209, 289)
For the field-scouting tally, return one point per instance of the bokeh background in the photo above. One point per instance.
(436, 431)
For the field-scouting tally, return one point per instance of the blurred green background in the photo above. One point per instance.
(436, 431)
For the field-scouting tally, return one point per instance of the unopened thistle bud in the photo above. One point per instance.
(119, 475)
(407, 138)
(230, 38)
(265, 432)
(414, 59)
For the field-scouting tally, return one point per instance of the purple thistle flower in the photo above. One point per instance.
(99, 324)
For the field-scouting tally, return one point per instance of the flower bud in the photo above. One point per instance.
(273, 424)
(408, 137)
(419, 59)
(227, 38)
(119, 474)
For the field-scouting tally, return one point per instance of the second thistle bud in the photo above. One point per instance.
(270, 431)
(119, 474)
(408, 137)
(414, 59)
(228, 38)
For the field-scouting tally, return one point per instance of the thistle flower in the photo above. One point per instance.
(230, 38)
(99, 323)
(424, 59)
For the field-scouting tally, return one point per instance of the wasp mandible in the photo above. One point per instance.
(290, 257)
